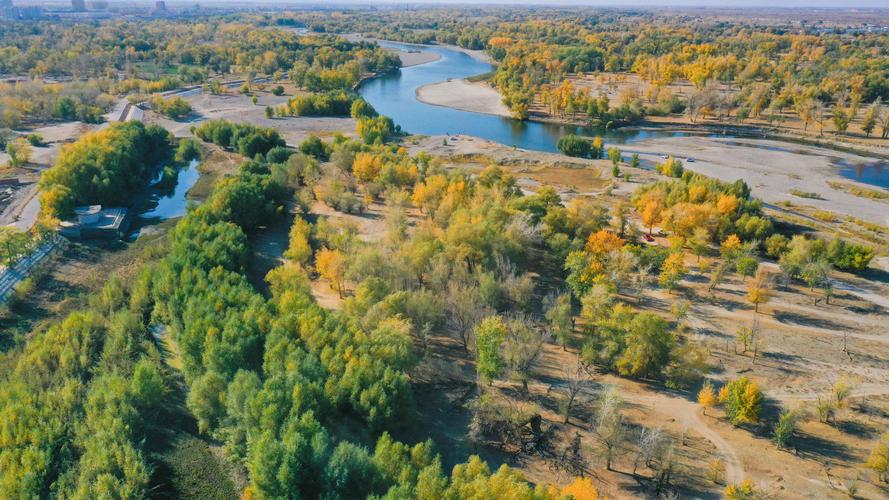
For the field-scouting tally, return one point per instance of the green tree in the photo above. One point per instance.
(560, 318)
(19, 152)
(489, 337)
(783, 433)
(206, 400)
(572, 145)
(649, 343)
(742, 401)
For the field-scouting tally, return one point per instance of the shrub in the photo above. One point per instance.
(848, 256)
(36, 140)
(572, 145)
(338, 103)
(742, 491)
(246, 139)
(671, 168)
(784, 429)
(174, 107)
(313, 146)
(776, 245)
(187, 150)
(742, 401)
(376, 130)
(362, 109)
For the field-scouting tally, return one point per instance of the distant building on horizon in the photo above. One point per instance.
(10, 11)
(78, 5)
(160, 6)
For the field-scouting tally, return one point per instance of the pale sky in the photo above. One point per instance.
(632, 3)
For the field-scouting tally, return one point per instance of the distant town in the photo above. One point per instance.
(81, 10)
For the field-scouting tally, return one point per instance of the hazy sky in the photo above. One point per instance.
(622, 3)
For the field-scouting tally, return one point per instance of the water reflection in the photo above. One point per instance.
(172, 203)
(395, 96)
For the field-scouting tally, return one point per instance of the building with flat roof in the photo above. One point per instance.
(95, 222)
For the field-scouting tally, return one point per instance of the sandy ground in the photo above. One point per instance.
(22, 208)
(772, 169)
(239, 108)
(416, 58)
(478, 97)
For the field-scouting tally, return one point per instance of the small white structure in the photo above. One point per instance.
(96, 222)
(89, 214)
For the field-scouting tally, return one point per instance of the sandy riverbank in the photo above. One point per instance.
(772, 169)
(409, 59)
(464, 95)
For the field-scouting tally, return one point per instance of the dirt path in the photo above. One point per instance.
(861, 391)
(687, 413)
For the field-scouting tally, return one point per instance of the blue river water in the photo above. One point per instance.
(167, 205)
(395, 95)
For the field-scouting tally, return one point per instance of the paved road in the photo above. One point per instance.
(10, 277)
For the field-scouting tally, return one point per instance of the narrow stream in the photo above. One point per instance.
(166, 203)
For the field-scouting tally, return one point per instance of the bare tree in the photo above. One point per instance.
(464, 308)
(718, 275)
(664, 467)
(522, 347)
(620, 267)
(642, 279)
(651, 442)
(576, 380)
(609, 424)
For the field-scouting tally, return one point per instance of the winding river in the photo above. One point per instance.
(394, 95)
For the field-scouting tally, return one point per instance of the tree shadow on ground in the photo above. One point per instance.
(793, 318)
(817, 448)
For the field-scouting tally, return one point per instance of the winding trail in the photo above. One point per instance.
(687, 413)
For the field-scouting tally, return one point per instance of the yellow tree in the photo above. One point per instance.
(727, 204)
(652, 213)
(599, 246)
(707, 396)
(673, 270)
(731, 246)
(19, 152)
(878, 461)
(331, 265)
(366, 167)
(427, 196)
(581, 489)
(758, 290)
